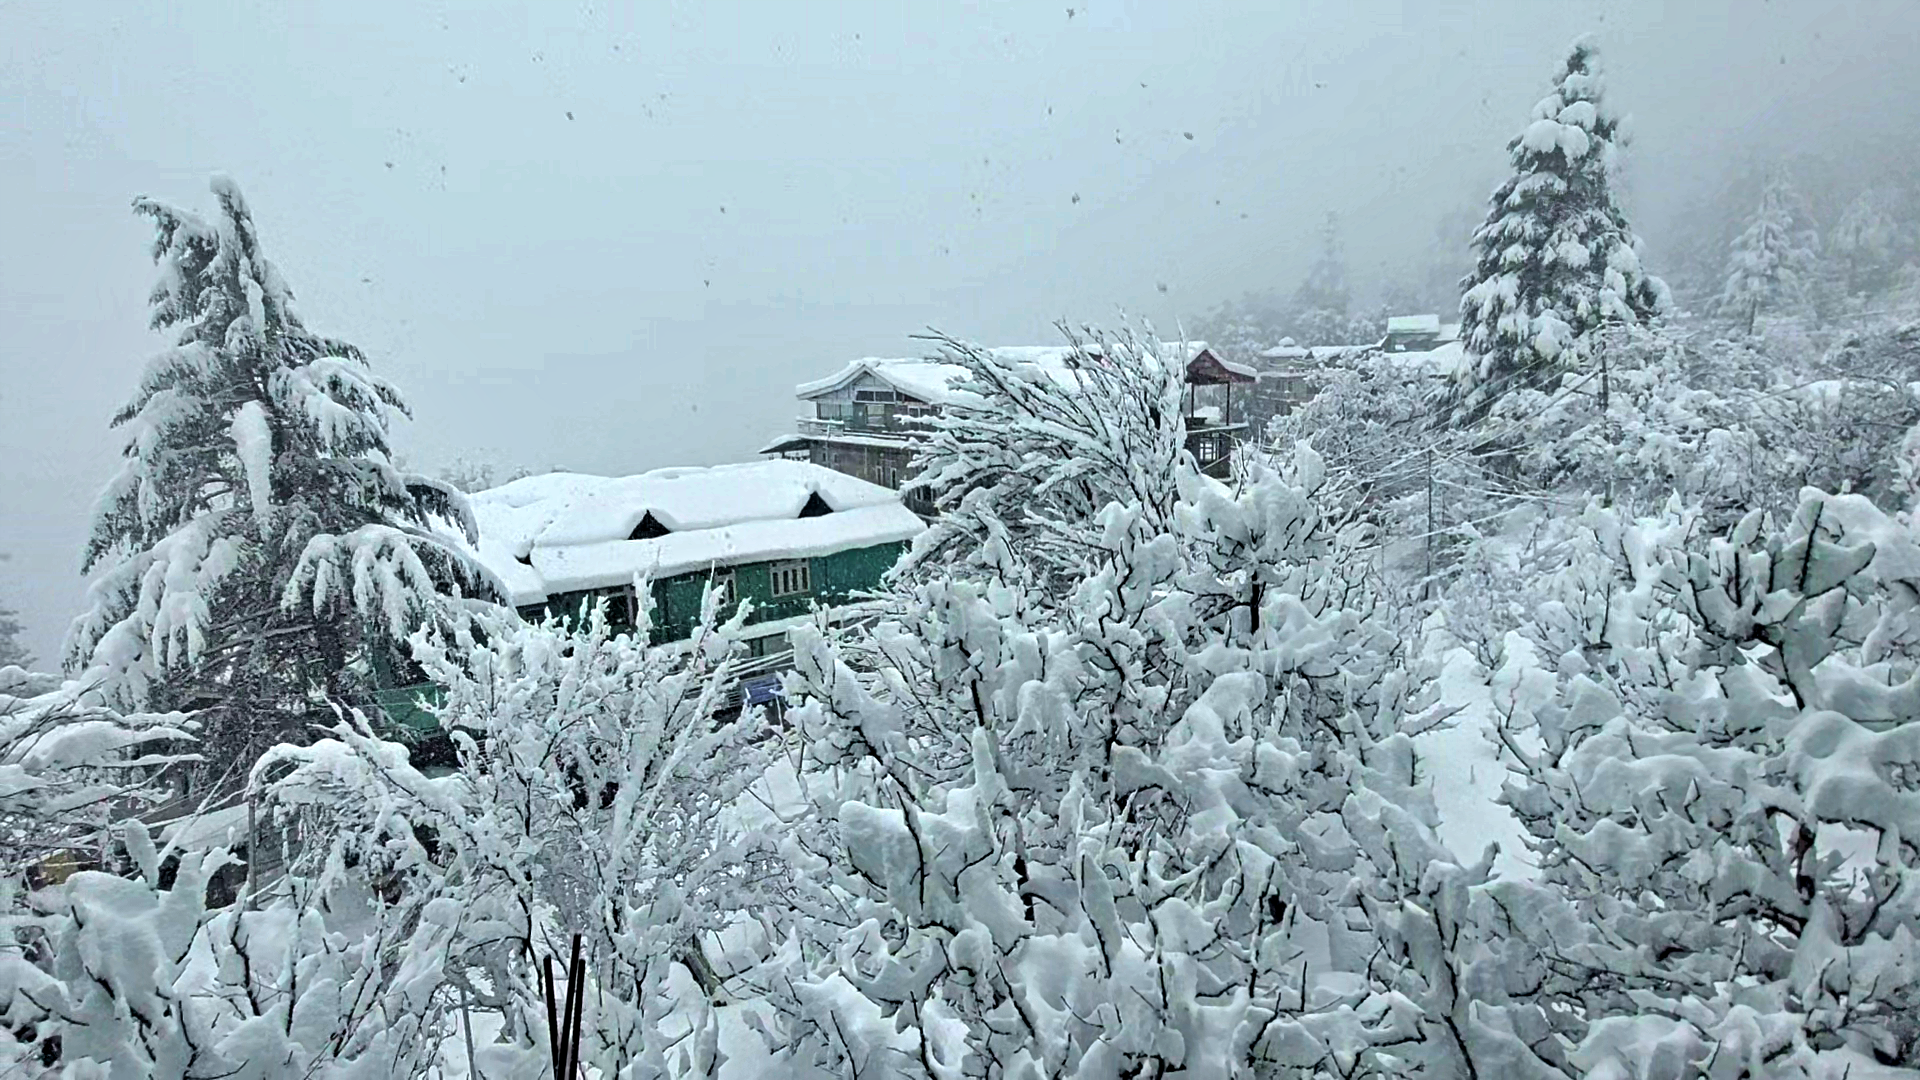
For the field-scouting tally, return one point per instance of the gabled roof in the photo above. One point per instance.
(1440, 361)
(564, 532)
(932, 380)
(1314, 352)
(1208, 369)
(1413, 324)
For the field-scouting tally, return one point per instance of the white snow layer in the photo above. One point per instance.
(932, 381)
(253, 441)
(572, 530)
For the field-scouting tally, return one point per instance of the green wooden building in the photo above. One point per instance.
(786, 536)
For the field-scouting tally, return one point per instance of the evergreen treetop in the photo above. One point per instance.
(1555, 256)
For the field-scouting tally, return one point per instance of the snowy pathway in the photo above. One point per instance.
(1466, 775)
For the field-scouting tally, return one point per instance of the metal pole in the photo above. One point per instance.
(1606, 421)
(253, 853)
(466, 1022)
(1426, 588)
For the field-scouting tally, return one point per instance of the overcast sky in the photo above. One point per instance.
(612, 237)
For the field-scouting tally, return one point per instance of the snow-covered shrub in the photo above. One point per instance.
(588, 798)
(1020, 471)
(1720, 789)
(1099, 832)
(70, 770)
(1665, 420)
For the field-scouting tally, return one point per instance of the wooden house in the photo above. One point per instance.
(785, 535)
(1418, 333)
(867, 418)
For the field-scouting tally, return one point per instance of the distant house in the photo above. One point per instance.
(1418, 333)
(785, 535)
(868, 418)
(1290, 375)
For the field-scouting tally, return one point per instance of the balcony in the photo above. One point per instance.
(897, 426)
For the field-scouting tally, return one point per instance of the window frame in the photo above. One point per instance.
(727, 583)
(803, 568)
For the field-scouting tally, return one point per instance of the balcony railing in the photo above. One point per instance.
(901, 425)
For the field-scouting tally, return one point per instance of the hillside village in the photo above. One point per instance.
(1522, 688)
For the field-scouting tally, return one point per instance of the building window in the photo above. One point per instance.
(885, 396)
(724, 591)
(792, 578)
(919, 499)
(620, 608)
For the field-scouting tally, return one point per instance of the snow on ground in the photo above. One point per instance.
(1463, 765)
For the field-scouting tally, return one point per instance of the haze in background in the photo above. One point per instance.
(612, 239)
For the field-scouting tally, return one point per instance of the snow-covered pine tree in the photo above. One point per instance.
(257, 540)
(1322, 302)
(1862, 244)
(1771, 261)
(1555, 257)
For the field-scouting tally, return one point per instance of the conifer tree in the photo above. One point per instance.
(257, 544)
(1323, 301)
(1862, 242)
(1555, 257)
(1771, 259)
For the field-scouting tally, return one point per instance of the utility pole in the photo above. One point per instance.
(1426, 588)
(1606, 418)
(253, 852)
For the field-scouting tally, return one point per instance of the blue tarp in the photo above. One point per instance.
(761, 690)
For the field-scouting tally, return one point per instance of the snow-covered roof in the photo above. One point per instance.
(1320, 353)
(564, 532)
(1450, 331)
(1440, 360)
(931, 381)
(1413, 324)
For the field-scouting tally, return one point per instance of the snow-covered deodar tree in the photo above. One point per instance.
(257, 542)
(1555, 257)
(1772, 260)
